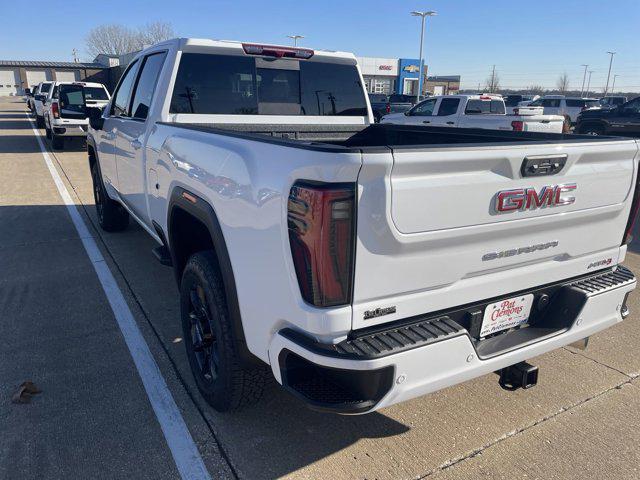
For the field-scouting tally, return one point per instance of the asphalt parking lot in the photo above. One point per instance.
(94, 419)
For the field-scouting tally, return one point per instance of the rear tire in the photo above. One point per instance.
(39, 121)
(223, 382)
(112, 217)
(57, 142)
(47, 133)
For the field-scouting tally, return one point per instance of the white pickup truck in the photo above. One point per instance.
(475, 111)
(64, 109)
(360, 264)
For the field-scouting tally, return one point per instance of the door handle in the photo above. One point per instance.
(450, 123)
(108, 136)
(136, 144)
(426, 121)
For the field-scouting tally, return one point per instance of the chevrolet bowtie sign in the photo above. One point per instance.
(411, 68)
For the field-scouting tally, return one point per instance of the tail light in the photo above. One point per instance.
(387, 108)
(321, 219)
(635, 205)
(54, 110)
(278, 52)
(517, 125)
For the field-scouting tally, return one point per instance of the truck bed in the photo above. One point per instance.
(374, 136)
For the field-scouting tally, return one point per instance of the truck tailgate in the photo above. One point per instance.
(441, 241)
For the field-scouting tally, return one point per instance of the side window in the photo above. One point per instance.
(147, 85)
(424, 109)
(120, 104)
(448, 106)
(54, 94)
(633, 105)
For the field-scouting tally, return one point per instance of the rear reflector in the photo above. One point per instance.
(517, 125)
(279, 52)
(321, 219)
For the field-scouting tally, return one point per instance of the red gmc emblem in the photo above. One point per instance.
(521, 199)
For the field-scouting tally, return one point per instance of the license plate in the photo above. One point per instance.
(506, 314)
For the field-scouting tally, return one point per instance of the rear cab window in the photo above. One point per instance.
(239, 85)
(484, 107)
(45, 88)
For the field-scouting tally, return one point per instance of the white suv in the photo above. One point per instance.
(64, 109)
(38, 101)
(568, 107)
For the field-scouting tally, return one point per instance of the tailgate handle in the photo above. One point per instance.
(540, 165)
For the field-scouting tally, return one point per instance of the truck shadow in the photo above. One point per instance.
(271, 439)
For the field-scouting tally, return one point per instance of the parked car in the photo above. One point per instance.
(64, 109)
(568, 107)
(612, 101)
(379, 102)
(38, 102)
(395, 103)
(28, 96)
(474, 111)
(361, 264)
(623, 120)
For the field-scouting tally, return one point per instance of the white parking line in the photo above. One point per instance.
(184, 450)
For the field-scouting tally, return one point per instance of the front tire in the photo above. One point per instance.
(207, 333)
(112, 217)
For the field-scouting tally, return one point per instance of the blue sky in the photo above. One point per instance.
(530, 42)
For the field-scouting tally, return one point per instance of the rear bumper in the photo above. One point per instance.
(69, 130)
(358, 376)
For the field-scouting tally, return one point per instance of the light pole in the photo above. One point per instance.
(613, 86)
(423, 15)
(606, 89)
(589, 82)
(295, 39)
(584, 77)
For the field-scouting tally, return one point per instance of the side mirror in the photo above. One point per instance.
(39, 98)
(27, 92)
(95, 118)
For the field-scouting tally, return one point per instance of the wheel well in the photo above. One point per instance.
(188, 235)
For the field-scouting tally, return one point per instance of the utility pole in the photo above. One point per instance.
(613, 87)
(423, 16)
(588, 83)
(606, 89)
(584, 77)
(295, 39)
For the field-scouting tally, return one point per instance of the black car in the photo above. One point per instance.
(623, 120)
(382, 104)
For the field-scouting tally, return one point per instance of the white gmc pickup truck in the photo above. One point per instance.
(360, 264)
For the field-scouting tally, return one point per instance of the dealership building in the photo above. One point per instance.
(400, 75)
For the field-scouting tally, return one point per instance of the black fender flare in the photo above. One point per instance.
(204, 212)
(592, 122)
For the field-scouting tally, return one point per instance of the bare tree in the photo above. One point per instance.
(155, 32)
(117, 39)
(563, 83)
(493, 82)
(536, 89)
